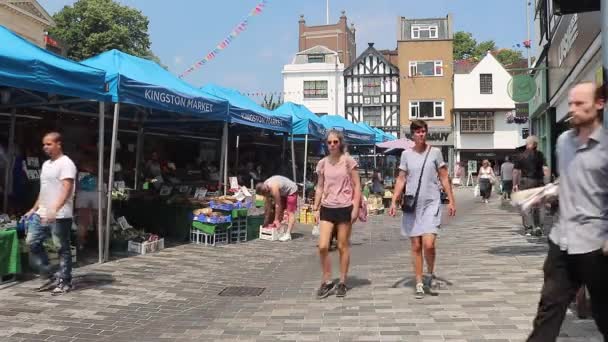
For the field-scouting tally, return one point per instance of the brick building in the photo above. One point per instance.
(338, 37)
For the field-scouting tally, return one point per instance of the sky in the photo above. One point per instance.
(184, 31)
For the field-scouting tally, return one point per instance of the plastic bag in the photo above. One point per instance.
(315, 230)
(476, 191)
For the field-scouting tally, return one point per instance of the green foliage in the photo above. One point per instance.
(270, 103)
(466, 47)
(90, 27)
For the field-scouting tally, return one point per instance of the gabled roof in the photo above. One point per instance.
(30, 9)
(317, 50)
(369, 51)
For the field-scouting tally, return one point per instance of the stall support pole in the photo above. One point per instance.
(375, 161)
(111, 179)
(222, 153)
(305, 167)
(225, 159)
(138, 152)
(8, 175)
(100, 188)
(604, 14)
(293, 159)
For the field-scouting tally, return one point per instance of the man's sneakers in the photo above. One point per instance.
(48, 285)
(325, 290)
(62, 288)
(419, 294)
(285, 237)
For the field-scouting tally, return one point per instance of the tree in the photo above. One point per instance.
(270, 103)
(90, 27)
(464, 45)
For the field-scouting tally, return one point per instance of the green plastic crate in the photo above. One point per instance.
(236, 213)
(209, 228)
(253, 226)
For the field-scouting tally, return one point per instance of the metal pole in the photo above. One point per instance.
(327, 12)
(293, 159)
(305, 167)
(225, 158)
(528, 30)
(604, 9)
(222, 153)
(100, 188)
(111, 179)
(8, 175)
(375, 162)
(138, 152)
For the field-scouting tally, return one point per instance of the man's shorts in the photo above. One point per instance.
(290, 203)
(87, 199)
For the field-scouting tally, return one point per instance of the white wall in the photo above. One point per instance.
(466, 87)
(506, 136)
(294, 76)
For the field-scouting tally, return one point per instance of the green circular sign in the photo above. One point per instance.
(521, 88)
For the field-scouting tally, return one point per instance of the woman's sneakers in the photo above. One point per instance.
(419, 294)
(325, 290)
(341, 290)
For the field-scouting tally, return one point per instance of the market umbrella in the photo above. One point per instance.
(403, 144)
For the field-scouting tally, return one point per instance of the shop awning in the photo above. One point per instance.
(379, 134)
(142, 82)
(402, 144)
(387, 136)
(245, 111)
(353, 134)
(304, 121)
(26, 66)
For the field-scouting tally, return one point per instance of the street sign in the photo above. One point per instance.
(521, 88)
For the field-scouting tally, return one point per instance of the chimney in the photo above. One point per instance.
(343, 17)
(301, 29)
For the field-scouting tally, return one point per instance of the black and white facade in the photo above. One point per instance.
(372, 91)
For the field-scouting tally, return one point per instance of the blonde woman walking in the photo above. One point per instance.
(336, 206)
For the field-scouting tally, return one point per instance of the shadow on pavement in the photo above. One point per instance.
(92, 280)
(537, 249)
(354, 282)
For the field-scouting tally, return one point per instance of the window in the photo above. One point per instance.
(316, 58)
(477, 122)
(485, 83)
(426, 109)
(424, 31)
(315, 89)
(371, 86)
(372, 116)
(426, 68)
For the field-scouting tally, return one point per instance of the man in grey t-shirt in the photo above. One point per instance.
(283, 192)
(577, 243)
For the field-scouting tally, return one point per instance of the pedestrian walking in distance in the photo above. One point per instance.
(421, 170)
(529, 174)
(486, 179)
(52, 215)
(578, 241)
(338, 188)
(506, 175)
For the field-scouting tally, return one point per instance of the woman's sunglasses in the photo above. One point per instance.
(333, 142)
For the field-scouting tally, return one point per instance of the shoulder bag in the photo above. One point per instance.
(408, 202)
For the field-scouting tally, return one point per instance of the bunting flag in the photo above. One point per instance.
(238, 29)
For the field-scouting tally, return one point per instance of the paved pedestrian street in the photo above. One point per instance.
(491, 273)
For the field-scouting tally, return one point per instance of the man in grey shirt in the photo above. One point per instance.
(506, 175)
(577, 243)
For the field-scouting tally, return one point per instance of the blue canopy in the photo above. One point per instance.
(245, 111)
(380, 135)
(144, 83)
(352, 133)
(304, 121)
(27, 66)
(387, 136)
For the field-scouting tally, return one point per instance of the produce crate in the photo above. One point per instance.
(212, 219)
(236, 213)
(210, 234)
(238, 230)
(253, 226)
(209, 228)
(146, 247)
(270, 234)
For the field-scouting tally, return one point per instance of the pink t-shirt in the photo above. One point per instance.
(337, 186)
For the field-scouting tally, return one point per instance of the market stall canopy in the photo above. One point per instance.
(304, 121)
(26, 66)
(401, 144)
(353, 134)
(387, 136)
(245, 111)
(142, 82)
(378, 133)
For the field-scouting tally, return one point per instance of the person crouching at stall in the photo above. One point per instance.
(338, 188)
(283, 193)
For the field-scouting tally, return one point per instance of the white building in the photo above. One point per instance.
(314, 79)
(484, 113)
